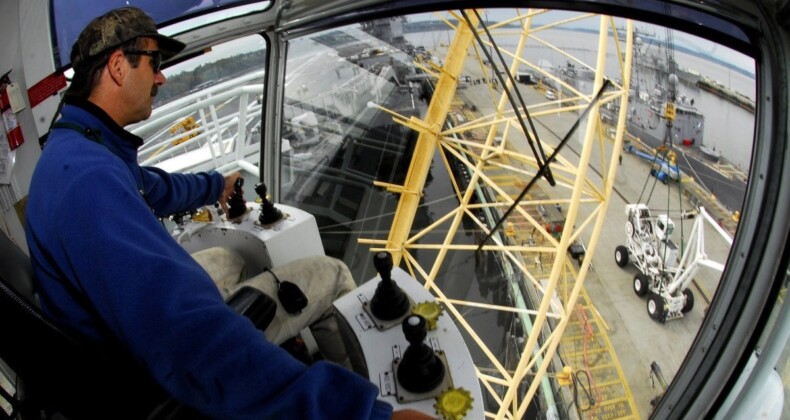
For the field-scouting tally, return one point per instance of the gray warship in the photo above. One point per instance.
(662, 113)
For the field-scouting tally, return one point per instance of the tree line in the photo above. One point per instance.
(208, 74)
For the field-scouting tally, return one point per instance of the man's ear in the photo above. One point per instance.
(117, 68)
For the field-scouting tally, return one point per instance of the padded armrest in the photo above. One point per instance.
(16, 270)
(255, 305)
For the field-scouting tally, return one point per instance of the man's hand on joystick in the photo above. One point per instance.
(230, 189)
(237, 204)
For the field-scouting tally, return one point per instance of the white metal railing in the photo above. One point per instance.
(226, 116)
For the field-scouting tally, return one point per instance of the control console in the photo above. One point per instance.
(263, 234)
(396, 333)
(398, 336)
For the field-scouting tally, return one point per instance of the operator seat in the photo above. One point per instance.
(61, 375)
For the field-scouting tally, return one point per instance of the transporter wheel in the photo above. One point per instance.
(629, 228)
(689, 305)
(621, 256)
(656, 308)
(641, 283)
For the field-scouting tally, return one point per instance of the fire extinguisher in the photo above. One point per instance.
(11, 125)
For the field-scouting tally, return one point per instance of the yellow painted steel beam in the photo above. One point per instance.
(501, 169)
(427, 141)
(527, 359)
(574, 206)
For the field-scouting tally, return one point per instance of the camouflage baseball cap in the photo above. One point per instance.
(116, 27)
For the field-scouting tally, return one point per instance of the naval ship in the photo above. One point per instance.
(655, 84)
(662, 113)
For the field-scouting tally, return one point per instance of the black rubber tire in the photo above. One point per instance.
(689, 305)
(641, 284)
(621, 256)
(655, 308)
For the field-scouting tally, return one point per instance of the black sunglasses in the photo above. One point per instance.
(156, 57)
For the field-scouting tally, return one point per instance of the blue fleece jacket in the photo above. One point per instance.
(105, 268)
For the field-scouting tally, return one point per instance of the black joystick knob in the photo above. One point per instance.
(237, 206)
(269, 213)
(389, 302)
(382, 261)
(420, 370)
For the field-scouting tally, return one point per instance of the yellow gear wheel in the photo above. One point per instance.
(430, 311)
(453, 403)
(202, 215)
